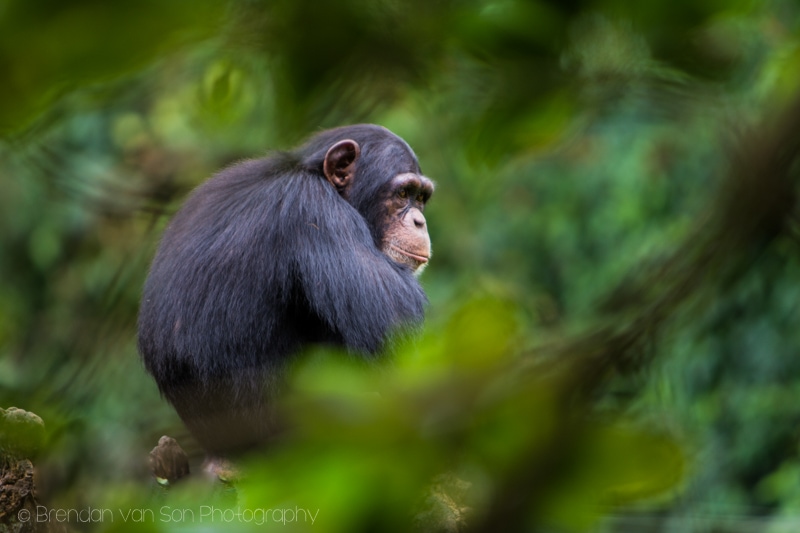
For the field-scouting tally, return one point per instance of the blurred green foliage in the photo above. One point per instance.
(567, 376)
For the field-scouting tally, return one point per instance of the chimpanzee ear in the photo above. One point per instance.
(340, 163)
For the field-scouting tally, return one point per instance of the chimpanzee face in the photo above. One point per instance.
(406, 238)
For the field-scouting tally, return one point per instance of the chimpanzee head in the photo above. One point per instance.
(379, 175)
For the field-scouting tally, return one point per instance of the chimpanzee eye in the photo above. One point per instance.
(403, 193)
(421, 198)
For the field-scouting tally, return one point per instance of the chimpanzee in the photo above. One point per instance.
(320, 245)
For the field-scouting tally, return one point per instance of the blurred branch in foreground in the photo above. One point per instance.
(525, 436)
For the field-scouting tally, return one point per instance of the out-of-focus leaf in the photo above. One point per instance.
(614, 465)
(48, 47)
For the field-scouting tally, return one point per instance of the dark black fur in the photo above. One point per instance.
(264, 259)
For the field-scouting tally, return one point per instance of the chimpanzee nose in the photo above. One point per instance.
(419, 220)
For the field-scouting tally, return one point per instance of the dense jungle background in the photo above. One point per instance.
(612, 341)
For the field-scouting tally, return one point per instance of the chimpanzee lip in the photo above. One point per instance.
(415, 257)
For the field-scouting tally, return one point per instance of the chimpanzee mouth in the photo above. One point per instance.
(415, 257)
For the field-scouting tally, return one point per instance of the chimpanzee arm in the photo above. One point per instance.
(354, 288)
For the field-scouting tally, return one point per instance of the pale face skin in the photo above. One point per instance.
(407, 240)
